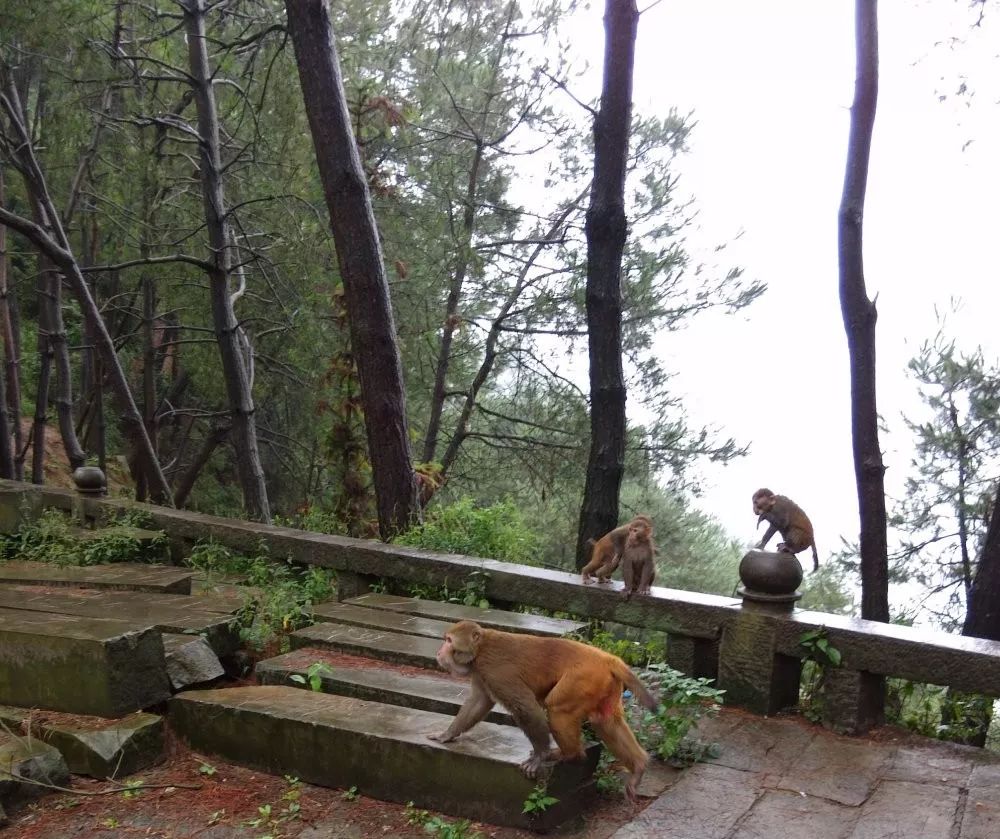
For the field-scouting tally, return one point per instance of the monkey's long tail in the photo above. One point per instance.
(815, 558)
(623, 672)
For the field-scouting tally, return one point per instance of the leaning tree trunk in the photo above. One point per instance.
(55, 245)
(859, 321)
(606, 229)
(11, 346)
(6, 453)
(235, 367)
(359, 257)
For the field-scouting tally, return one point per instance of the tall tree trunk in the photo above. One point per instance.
(982, 617)
(859, 321)
(606, 229)
(57, 248)
(44, 345)
(11, 345)
(6, 453)
(359, 256)
(235, 365)
(185, 483)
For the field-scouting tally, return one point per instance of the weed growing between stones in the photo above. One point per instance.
(50, 538)
(538, 801)
(313, 676)
(281, 594)
(819, 656)
(439, 826)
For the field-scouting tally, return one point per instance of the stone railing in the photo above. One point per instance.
(751, 645)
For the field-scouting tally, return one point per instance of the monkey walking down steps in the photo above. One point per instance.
(366, 723)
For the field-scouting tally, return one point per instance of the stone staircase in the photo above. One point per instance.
(380, 695)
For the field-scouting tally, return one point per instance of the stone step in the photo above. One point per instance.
(346, 613)
(167, 612)
(125, 576)
(373, 683)
(383, 750)
(107, 668)
(24, 760)
(95, 747)
(453, 612)
(373, 643)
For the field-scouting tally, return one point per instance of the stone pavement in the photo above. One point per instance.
(785, 779)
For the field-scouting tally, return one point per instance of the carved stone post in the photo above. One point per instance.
(751, 671)
(90, 482)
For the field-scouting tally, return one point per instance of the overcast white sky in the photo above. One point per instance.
(771, 83)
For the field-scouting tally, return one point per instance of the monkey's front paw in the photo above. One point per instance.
(443, 737)
(531, 766)
(604, 580)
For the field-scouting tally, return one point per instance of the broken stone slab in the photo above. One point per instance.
(26, 765)
(374, 643)
(453, 612)
(126, 576)
(383, 750)
(167, 612)
(100, 748)
(392, 621)
(106, 668)
(779, 813)
(190, 660)
(903, 808)
(374, 684)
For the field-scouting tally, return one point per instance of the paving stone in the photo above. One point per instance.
(453, 612)
(350, 615)
(383, 750)
(838, 769)
(167, 612)
(657, 779)
(986, 774)
(107, 668)
(903, 809)
(29, 759)
(375, 643)
(105, 749)
(929, 766)
(706, 803)
(190, 660)
(755, 744)
(127, 576)
(374, 684)
(781, 814)
(981, 816)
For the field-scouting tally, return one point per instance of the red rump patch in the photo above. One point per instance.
(607, 708)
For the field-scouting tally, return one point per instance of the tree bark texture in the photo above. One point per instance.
(606, 229)
(6, 452)
(982, 618)
(227, 328)
(859, 315)
(55, 244)
(359, 257)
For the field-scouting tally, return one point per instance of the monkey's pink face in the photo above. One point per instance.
(454, 660)
(762, 504)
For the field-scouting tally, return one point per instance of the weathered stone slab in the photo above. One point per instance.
(374, 643)
(107, 668)
(167, 612)
(781, 814)
(102, 749)
(755, 744)
(454, 612)
(374, 684)
(937, 765)
(389, 620)
(840, 770)
(902, 808)
(31, 760)
(383, 750)
(190, 660)
(981, 816)
(706, 803)
(126, 576)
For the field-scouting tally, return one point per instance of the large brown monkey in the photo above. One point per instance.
(606, 552)
(638, 566)
(530, 676)
(785, 516)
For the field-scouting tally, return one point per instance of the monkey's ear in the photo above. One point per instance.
(477, 636)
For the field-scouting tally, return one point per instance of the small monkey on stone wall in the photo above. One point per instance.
(638, 562)
(606, 552)
(786, 517)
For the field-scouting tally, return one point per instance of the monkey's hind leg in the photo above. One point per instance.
(618, 737)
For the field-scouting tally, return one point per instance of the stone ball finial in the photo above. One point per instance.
(90, 480)
(770, 577)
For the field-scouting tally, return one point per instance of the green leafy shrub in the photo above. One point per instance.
(683, 701)
(50, 538)
(635, 653)
(496, 532)
(281, 594)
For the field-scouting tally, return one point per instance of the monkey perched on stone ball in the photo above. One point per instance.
(785, 516)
